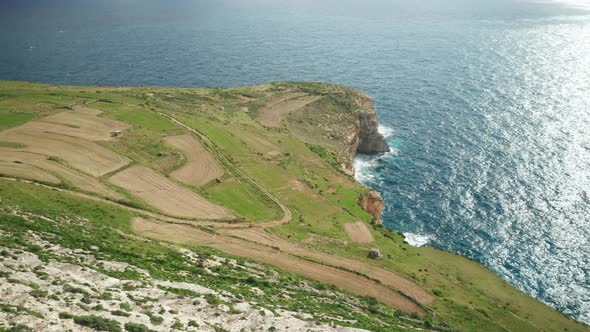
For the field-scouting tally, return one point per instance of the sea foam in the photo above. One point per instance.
(417, 240)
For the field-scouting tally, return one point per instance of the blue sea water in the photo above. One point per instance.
(485, 102)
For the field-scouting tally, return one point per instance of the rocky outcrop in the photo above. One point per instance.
(373, 204)
(370, 140)
(364, 137)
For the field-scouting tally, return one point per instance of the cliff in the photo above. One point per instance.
(340, 119)
(373, 204)
(370, 140)
(363, 137)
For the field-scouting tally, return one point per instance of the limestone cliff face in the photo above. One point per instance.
(370, 140)
(373, 204)
(364, 137)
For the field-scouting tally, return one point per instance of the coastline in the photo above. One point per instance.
(285, 162)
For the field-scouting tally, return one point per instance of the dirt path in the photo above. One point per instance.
(343, 279)
(384, 276)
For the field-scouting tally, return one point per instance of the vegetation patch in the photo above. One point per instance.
(98, 323)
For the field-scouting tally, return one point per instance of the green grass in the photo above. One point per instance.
(139, 118)
(11, 145)
(245, 200)
(10, 119)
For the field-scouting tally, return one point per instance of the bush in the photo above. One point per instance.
(98, 323)
(20, 328)
(135, 327)
(156, 320)
(125, 306)
(65, 315)
(212, 299)
(120, 313)
(75, 290)
(106, 296)
(37, 293)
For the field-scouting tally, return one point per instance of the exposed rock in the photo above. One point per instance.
(242, 307)
(370, 140)
(373, 204)
(65, 286)
(364, 137)
(374, 253)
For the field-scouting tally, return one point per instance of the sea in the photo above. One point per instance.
(485, 103)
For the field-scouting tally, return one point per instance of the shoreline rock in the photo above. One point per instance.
(374, 204)
(364, 138)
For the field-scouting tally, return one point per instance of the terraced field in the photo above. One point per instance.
(200, 168)
(70, 136)
(167, 196)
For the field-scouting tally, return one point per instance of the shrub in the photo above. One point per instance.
(65, 315)
(156, 320)
(37, 293)
(120, 313)
(98, 323)
(212, 299)
(75, 290)
(125, 306)
(135, 327)
(20, 328)
(106, 296)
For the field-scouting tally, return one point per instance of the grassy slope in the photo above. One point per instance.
(468, 296)
(90, 223)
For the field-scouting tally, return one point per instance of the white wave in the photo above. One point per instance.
(417, 240)
(364, 165)
(385, 131)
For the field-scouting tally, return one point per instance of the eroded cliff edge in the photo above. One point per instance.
(340, 119)
(364, 137)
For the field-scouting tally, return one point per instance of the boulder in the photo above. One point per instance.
(375, 253)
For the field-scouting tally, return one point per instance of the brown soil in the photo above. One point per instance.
(27, 172)
(82, 122)
(277, 108)
(386, 277)
(200, 167)
(167, 196)
(68, 135)
(350, 281)
(358, 232)
(80, 180)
